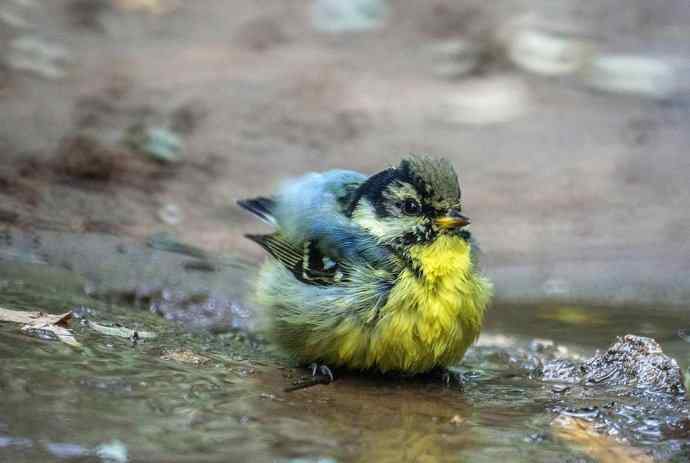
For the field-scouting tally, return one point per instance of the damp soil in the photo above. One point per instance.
(578, 223)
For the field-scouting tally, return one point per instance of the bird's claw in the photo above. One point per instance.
(321, 374)
(322, 370)
(451, 378)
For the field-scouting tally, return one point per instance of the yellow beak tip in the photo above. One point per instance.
(449, 223)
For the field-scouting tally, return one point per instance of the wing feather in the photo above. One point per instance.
(314, 238)
(308, 265)
(260, 206)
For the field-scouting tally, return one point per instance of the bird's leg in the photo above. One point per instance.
(448, 377)
(323, 371)
(320, 374)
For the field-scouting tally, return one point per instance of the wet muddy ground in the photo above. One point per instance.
(207, 388)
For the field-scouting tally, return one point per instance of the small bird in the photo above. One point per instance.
(376, 273)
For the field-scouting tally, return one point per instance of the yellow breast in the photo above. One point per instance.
(428, 321)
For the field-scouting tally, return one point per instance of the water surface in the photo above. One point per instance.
(199, 397)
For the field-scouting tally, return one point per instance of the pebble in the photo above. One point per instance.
(170, 214)
(489, 100)
(640, 75)
(159, 143)
(560, 388)
(547, 53)
(348, 15)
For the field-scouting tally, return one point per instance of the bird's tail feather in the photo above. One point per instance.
(261, 206)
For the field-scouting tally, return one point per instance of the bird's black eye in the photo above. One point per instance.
(411, 207)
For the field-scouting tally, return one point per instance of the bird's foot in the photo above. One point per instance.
(449, 378)
(323, 371)
(320, 374)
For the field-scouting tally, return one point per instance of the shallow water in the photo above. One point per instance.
(112, 401)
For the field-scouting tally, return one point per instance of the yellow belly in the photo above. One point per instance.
(427, 322)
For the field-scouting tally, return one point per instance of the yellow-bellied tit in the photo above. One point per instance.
(376, 273)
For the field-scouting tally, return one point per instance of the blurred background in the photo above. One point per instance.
(568, 123)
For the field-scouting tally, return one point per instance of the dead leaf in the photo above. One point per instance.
(121, 331)
(604, 449)
(42, 325)
(26, 317)
(51, 333)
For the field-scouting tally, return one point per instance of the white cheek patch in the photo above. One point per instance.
(385, 229)
(365, 216)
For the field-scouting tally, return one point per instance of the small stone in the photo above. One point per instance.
(635, 361)
(536, 438)
(632, 361)
(170, 214)
(157, 142)
(66, 450)
(560, 388)
(541, 345)
(547, 53)
(640, 75)
(348, 15)
(112, 452)
(490, 100)
(587, 412)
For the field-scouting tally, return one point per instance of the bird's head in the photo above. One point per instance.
(413, 203)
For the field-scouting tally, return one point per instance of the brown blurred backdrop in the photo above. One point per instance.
(568, 123)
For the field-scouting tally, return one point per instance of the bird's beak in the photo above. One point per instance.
(452, 220)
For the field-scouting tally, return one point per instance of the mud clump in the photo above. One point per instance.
(81, 156)
(84, 157)
(262, 34)
(635, 361)
(632, 361)
(678, 430)
(88, 14)
(632, 391)
(187, 118)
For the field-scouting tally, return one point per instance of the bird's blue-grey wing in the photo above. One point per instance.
(315, 239)
(311, 208)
